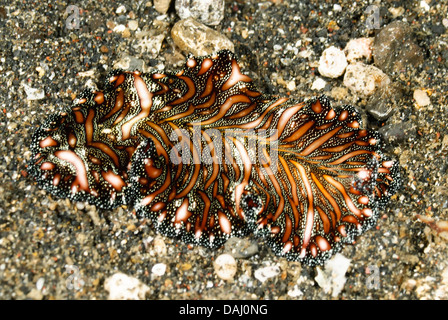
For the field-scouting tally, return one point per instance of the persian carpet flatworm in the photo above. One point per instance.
(205, 156)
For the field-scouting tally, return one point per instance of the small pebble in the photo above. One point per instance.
(384, 101)
(104, 49)
(159, 246)
(359, 48)
(35, 294)
(318, 84)
(424, 5)
(162, 6)
(364, 79)
(421, 98)
(241, 248)
(209, 12)
(445, 22)
(120, 10)
(337, 7)
(33, 93)
(396, 12)
(40, 284)
(198, 39)
(123, 287)
(332, 63)
(133, 25)
(225, 266)
(332, 277)
(394, 48)
(263, 274)
(159, 269)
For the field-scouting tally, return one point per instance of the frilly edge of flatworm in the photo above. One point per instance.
(205, 156)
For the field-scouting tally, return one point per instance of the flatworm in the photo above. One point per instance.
(205, 156)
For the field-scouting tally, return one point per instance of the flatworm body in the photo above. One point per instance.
(206, 156)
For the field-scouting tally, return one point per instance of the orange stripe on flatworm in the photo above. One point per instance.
(287, 247)
(325, 220)
(362, 143)
(89, 125)
(363, 200)
(79, 117)
(322, 157)
(247, 165)
(367, 212)
(151, 171)
(190, 91)
(235, 77)
(275, 229)
(162, 216)
(286, 116)
(267, 125)
(208, 87)
(290, 179)
(349, 155)
(95, 160)
(338, 148)
(342, 190)
(119, 80)
(313, 250)
(194, 177)
(215, 160)
(252, 94)
(388, 164)
(224, 223)
(71, 139)
(208, 103)
(324, 126)
(78, 163)
(243, 112)
(354, 191)
(342, 230)
(145, 98)
(288, 229)
(182, 213)
(99, 98)
(188, 112)
(107, 150)
(330, 115)
(318, 142)
(225, 107)
(115, 180)
(48, 142)
(207, 205)
(254, 123)
(119, 101)
(191, 63)
(362, 133)
(345, 135)
(351, 219)
(56, 179)
(354, 124)
(157, 76)
(343, 116)
(205, 66)
(47, 166)
(327, 195)
(309, 222)
(316, 107)
(322, 243)
(299, 132)
(383, 170)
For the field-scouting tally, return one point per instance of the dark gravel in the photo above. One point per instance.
(40, 235)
